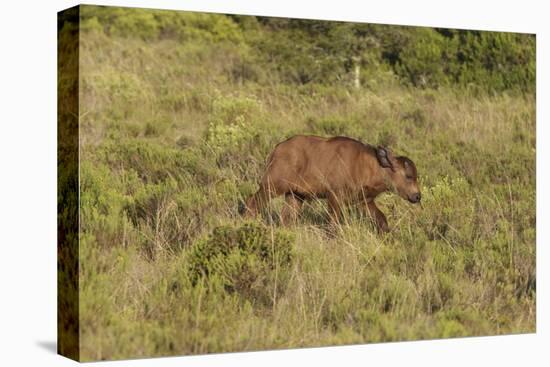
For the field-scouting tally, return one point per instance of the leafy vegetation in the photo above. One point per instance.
(250, 260)
(178, 113)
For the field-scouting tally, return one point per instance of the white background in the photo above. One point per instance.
(28, 182)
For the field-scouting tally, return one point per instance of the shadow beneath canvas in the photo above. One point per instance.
(49, 345)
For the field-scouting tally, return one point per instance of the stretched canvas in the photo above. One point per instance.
(231, 183)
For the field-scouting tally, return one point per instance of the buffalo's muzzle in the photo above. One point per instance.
(415, 198)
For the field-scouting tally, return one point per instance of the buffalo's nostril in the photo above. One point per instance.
(415, 198)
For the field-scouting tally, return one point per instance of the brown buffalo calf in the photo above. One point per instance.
(340, 169)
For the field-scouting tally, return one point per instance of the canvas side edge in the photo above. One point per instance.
(68, 42)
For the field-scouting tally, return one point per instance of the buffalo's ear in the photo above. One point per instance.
(383, 156)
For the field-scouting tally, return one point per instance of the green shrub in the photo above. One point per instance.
(101, 205)
(234, 127)
(421, 61)
(122, 88)
(450, 207)
(494, 60)
(251, 260)
(205, 27)
(149, 24)
(91, 24)
(154, 162)
(135, 23)
(228, 136)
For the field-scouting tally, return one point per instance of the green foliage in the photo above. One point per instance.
(155, 163)
(153, 24)
(449, 210)
(233, 123)
(102, 203)
(135, 23)
(497, 59)
(421, 60)
(252, 260)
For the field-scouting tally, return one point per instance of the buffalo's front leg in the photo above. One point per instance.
(378, 217)
(291, 209)
(255, 203)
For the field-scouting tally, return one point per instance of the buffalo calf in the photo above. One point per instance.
(339, 169)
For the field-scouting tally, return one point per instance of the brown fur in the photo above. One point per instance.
(340, 169)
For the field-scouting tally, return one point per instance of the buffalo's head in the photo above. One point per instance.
(401, 174)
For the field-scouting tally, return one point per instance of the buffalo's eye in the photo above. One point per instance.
(409, 177)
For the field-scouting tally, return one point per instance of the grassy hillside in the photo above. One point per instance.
(176, 124)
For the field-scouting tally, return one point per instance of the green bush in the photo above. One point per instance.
(474, 60)
(149, 24)
(135, 23)
(155, 163)
(251, 260)
(101, 205)
(234, 126)
(451, 207)
(494, 60)
(422, 61)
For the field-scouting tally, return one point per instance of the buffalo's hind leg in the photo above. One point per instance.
(292, 208)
